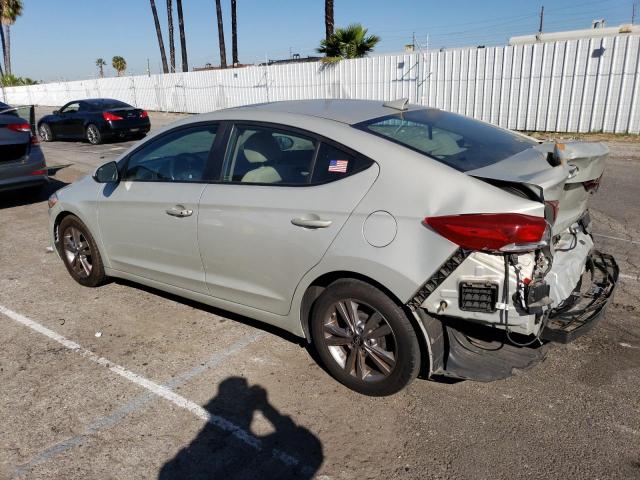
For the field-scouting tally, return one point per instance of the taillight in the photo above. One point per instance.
(552, 207)
(110, 117)
(144, 114)
(38, 172)
(496, 232)
(592, 186)
(19, 127)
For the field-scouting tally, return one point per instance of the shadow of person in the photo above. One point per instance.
(226, 448)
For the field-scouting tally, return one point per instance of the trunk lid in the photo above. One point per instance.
(556, 173)
(14, 145)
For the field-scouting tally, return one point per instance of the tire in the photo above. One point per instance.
(45, 133)
(94, 137)
(84, 264)
(382, 357)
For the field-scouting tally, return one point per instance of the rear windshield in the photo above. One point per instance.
(460, 142)
(108, 104)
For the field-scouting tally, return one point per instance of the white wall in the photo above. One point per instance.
(560, 86)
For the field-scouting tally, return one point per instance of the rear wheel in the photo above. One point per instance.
(45, 133)
(93, 135)
(364, 338)
(80, 253)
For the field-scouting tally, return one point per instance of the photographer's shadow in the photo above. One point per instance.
(227, 448)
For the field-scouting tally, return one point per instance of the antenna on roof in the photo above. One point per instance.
(400, 104)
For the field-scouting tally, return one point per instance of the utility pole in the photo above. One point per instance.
(541, 19)
(634, 9)
(148, 68)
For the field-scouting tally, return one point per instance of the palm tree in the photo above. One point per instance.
(328, 19)
(163, 55)
(234, 33)
(183, 40)
(119, 64)
(11, 10)
(172, 48)
(223, 51)
(349, 42)
(100, 63)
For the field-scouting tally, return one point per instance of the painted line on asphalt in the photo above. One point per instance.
(629, 277)
(620, 239)
(159, 390)
(134, 405)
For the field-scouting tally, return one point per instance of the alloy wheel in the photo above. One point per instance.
(44, 133)
(77, 251)
(360, 340)
(92, 134)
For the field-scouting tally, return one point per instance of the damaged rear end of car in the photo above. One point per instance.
(526, 273)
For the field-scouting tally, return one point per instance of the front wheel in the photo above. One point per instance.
(93, 135)
(364, 338)
(80, 253)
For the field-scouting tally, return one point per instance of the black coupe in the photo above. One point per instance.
(95, 120)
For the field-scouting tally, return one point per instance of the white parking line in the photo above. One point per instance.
(628, 277)
(620, 239)
(163, 392)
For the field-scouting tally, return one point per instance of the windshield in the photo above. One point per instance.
(460, 142)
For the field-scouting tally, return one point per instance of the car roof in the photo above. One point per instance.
(344, 111)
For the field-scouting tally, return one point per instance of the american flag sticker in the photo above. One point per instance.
(339, 166)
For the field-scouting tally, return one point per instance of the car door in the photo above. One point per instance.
(148, 220)
(267, 222)
(64, 127)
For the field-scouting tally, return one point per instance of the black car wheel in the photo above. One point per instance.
(93, 135)
(79, 252)
(364, 338)
(45, 133)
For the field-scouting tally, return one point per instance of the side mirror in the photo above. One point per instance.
(107, 173)
(56, 112)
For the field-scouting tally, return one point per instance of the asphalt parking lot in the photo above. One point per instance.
(127, 382)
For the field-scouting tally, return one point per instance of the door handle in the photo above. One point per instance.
(179, 211)
(312, 222)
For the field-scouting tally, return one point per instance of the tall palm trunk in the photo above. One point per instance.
(163, 55)
(223, 50)
(328, 18)
(234, 33)
(7, 52)
(183, 40)
(4, 45)
(172, 47)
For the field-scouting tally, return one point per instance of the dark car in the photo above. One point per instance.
(95, 120)
(22, 163)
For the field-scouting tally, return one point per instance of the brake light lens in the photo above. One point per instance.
(19, 127)
(493, 232)
(592, 186)
(144, 114)
(38, 172)
(111, 117)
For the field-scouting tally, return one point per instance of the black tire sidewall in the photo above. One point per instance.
(408, 349)
(97, 276)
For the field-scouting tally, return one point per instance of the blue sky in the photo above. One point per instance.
(60, 39)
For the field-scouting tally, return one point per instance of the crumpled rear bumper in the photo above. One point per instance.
(587, 304)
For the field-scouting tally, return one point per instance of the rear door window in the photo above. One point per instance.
(266, 155)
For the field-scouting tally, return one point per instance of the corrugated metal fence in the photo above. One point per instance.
(588, 85)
